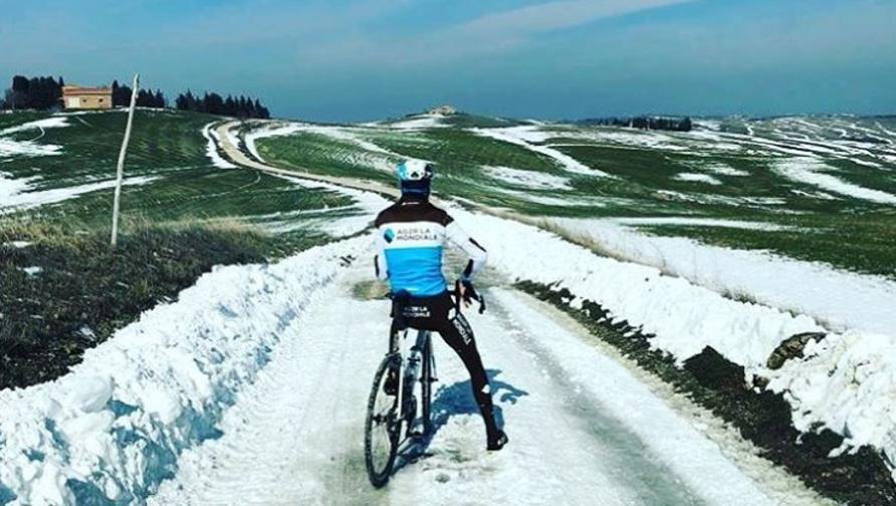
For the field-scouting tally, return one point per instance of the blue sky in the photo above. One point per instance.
(348, 60)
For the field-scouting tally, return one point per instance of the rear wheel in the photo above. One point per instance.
(383, 425)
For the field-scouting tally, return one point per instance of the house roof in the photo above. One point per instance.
(78, 90)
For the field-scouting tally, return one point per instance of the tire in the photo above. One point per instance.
(426, 384)
(381, 425)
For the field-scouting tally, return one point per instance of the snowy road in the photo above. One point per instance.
(295, 435)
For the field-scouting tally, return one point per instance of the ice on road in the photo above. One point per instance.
(583, 429)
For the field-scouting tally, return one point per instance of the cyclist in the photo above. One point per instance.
(411, 235)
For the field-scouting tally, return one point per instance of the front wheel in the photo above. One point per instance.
(383, 424)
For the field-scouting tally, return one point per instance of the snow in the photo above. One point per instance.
(526, 135)
(298, 433)
(211, 149)
(373, 155)
(17, 244)
(847, 388)
(419, 122)
(271, 130)
(21, 198)
(118, 420)
(528, 178)
(29, 148)
(724, 170)
(842, 300)
(685, 317)
(366, 206)
(809, 171)
(41, 124)
(32, 271)
(698, 178)
(689, 221)
(848, 382)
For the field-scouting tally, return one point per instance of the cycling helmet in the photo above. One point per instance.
(414, 176)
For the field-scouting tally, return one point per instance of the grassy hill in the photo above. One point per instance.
(817, 189)
(64, 289)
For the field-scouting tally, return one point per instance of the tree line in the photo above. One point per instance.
(45, 93)
(36, 93)
(213, 103)
(645, 123)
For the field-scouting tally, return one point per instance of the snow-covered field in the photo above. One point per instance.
(811, 171)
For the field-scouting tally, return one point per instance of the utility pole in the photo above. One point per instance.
(124, 148)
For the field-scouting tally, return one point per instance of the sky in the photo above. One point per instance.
(359, 60)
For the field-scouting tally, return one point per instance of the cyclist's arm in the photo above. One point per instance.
(477, 253)
(379, 260)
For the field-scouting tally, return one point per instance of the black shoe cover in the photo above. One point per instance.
(498, 442)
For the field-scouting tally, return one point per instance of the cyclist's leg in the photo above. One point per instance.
(457, 333)
(390, 387)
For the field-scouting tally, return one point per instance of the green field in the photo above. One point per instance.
(64, 289)
(815, 189)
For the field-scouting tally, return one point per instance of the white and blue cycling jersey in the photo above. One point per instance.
(412, 234)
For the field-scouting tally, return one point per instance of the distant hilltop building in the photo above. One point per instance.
(77, 97)
(443, 110)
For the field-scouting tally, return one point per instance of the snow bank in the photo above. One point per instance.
(808, 170)
(685, 317)
(113, 427)
(848, 381)
(528, 178)
(525, 136)
(842, 300)
(211, 148)
(16, 195)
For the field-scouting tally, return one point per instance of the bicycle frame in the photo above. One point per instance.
(412, 367)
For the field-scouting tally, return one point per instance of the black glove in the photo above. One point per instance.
(470, 294)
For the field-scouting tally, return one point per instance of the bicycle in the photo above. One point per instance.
(388, 413)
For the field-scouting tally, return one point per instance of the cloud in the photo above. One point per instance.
(554, 16)
(486, 35)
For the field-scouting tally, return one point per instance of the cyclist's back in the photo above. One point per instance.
(413, 233)
(411, 237)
